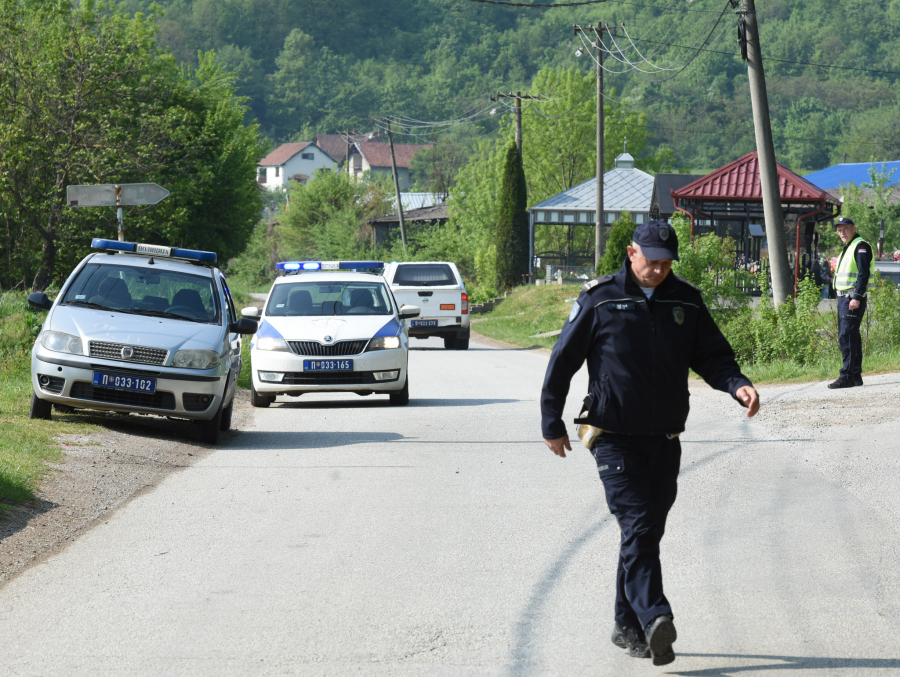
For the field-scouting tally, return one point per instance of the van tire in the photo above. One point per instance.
(40, 409)
(449, 343)
(461, 344)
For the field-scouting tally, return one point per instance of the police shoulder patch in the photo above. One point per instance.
(576, 308)
(689, 284)
(596, 282)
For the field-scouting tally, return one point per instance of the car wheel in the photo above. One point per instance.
(226, 416)
(401, 397)
(258, 400)
(39, 408)
(449, 342)
(209, 430)
(461, 344)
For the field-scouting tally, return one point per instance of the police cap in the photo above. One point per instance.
(657, 240)
(844, 221)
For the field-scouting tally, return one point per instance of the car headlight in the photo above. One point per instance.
(384, 343)
(62, 343)
(196, 359)
(269, 343)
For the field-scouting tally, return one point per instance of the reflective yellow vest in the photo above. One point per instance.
(846, 272)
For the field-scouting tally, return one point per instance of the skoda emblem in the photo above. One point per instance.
(678, 313)
(328, 338)
(127, 353)
(664, 235)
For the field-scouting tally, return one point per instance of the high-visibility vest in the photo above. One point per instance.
(847, 271)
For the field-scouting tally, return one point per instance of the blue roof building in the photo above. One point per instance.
(850, 172)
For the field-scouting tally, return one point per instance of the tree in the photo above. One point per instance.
(868, 204)
(620, 236)
(512, 225)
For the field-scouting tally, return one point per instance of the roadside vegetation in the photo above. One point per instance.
(26, 445)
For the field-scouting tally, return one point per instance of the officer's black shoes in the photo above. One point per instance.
(660, 637)
(843, 382)
(632, 640)
(857, 380)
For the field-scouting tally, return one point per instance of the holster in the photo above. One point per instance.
(587, 433)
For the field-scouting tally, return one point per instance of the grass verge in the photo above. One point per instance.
(534, 310)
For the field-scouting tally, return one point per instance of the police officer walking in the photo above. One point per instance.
(850, 280)
(640, 331)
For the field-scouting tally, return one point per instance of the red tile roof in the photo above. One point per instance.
(283, 153)
(379, 154)
(739, 180)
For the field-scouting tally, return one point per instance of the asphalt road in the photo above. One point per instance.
(343, 536)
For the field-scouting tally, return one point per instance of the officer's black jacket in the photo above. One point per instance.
(638, 354)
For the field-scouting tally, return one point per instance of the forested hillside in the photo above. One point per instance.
(323, 65)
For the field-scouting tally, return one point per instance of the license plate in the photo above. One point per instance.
(327, 365)
(424, 323)
(133, 383)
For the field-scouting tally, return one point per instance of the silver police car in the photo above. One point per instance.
(143, 329)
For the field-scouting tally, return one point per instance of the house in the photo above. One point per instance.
(336, 145)
(662, 206)
(375, 157)
(297, 161)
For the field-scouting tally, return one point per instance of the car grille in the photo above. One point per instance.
(316, 349)
(301, 378)
(113, 351)
(158, 400)
(55, 386)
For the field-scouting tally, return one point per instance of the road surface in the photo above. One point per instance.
(340, 536)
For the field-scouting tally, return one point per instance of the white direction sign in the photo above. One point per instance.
(104, 195)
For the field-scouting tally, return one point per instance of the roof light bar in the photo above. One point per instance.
(154, 250)
(294, 266)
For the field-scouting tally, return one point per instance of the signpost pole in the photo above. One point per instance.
(119, 213)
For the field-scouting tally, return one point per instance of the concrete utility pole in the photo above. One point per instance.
(765, 148)
(396, 183)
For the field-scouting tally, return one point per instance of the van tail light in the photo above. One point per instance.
(464, 304)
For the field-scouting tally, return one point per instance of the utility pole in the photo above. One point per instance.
(599, 236)
(765, 148)
(347, 157)
(518, 96)
(396, 183)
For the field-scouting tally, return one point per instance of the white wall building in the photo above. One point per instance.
(297, 161)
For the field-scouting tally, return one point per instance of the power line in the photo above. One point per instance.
(785, 138)
(579, 4)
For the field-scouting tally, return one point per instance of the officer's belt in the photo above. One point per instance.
(588, 434)
(850, 292)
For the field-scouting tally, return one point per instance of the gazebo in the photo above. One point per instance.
(729, 202)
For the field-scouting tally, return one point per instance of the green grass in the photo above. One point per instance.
(244, 378)
(529, 310)
(784, 371)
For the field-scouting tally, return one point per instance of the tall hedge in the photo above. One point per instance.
(512, 225)
(620, 236)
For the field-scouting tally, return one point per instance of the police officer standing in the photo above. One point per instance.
(850, 280)
(640, 331)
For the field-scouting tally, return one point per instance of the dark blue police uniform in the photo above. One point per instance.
(849, 321)
(638, 351)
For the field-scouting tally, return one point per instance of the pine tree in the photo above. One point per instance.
(512, 227)
(620, 236)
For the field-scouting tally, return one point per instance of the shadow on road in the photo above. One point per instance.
(266, 439)
(384, 402)
(785, 663)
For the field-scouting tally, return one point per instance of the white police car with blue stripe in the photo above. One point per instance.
(141, 328)
(325, 327)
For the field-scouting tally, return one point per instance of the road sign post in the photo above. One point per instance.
(116, 195)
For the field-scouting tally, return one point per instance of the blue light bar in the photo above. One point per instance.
(292, 266)
(154, 250)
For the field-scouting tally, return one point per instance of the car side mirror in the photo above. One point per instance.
(40, 301)
(409, 311)
(244, 326)
(251, 313)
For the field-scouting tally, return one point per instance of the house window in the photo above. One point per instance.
(554, 217)
(277, 170)
(307, 156)
(639, 218)
(611, 217)
(583, 217)
(540, 216)
(568, 217)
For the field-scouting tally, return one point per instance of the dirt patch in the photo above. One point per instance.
(502, 345)
(101, 472)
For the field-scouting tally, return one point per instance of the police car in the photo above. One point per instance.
(141, 328)
(326, 327)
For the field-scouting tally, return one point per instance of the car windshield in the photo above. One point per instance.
(144, 291)
(326, 299)
(424, 275)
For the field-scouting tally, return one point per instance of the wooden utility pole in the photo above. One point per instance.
(518, 96)
(396, 183)
(599, 236)
(765, 149)
(347, 157)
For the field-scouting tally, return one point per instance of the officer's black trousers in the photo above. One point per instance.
(640, 477)
(849, 338)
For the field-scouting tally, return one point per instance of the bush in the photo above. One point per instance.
(20, 324)
(620, 236)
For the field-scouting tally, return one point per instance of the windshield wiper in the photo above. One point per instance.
(88, 304)
(163, 313)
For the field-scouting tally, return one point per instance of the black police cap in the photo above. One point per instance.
(657, 240)
(844, 221)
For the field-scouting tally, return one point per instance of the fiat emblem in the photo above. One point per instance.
(127, 353)
(328, 338)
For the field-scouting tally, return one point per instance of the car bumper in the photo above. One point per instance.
(68, 380)
(361, 379)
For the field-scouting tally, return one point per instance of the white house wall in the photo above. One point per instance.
(297, 165)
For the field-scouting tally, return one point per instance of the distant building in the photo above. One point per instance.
(336, 145)
(297, 161)
(417, 200)
(375, 157)
(662, 206)
(832, 178)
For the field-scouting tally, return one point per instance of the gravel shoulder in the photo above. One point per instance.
(101, 472)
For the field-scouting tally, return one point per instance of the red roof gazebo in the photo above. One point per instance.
(734, 193)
